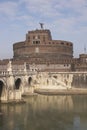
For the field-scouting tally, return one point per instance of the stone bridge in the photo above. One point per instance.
(15, 83)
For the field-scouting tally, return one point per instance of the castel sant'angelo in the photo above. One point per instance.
(45, 54)
(39, 48)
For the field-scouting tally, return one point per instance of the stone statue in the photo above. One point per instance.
(41, 25)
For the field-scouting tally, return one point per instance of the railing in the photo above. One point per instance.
(4, 73)
(76, 72)
(16, 73)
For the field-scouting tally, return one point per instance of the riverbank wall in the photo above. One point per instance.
(73, 91)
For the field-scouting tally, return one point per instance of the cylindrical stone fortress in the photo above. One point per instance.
(39, 48)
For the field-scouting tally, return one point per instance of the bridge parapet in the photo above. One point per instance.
(71, 72)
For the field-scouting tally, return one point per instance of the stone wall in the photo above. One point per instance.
(79, 81)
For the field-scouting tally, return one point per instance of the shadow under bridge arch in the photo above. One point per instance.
(18, 83)
(1, 88)
(30, 81)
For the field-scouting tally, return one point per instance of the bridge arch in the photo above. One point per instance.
(29, 81)
(18, 83)
(2, 84)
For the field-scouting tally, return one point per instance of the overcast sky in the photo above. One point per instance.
(66, 19)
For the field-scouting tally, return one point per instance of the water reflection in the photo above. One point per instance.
(46, 113)
(76, 122)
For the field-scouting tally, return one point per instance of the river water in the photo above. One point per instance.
(46, 113)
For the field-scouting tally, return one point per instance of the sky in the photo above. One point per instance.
(66, 19)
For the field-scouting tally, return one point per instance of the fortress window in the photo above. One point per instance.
(44, 38)
(67, 43)
(33, 42)
(38, 37)
(28, 38)
(62, 43)
(33, 37)
(36, 42)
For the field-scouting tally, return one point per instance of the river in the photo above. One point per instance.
(46, 113)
